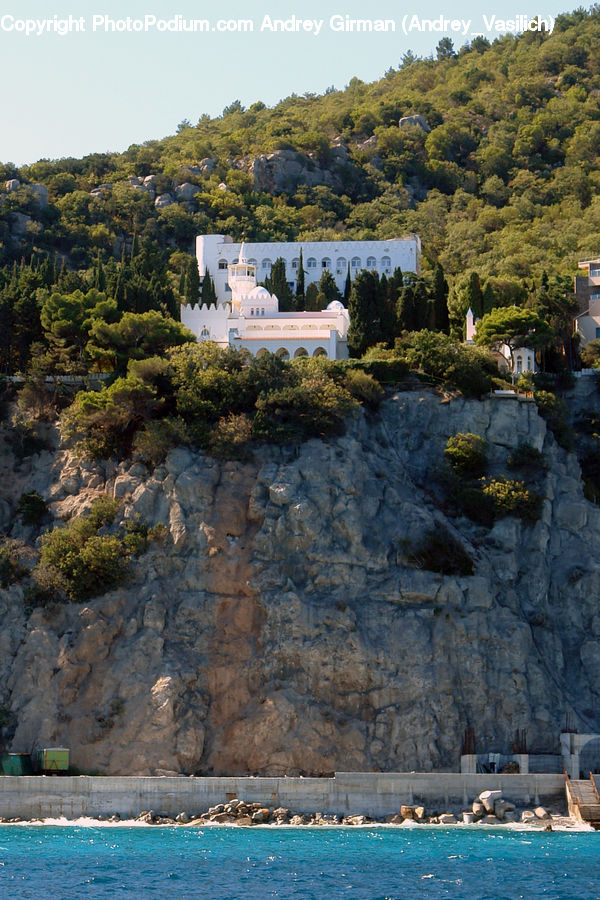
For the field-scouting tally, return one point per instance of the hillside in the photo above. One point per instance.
(290, 621)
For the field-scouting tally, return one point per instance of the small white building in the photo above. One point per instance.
(521, 360)
(250, 318)
(217, 252)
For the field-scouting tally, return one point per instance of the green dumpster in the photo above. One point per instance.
(52, 760)
(16, 764)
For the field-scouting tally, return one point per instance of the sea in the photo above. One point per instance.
(89, 859)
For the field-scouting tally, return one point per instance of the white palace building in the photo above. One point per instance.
(248, 316)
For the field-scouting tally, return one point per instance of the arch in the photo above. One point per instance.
(266, 263)
(320, 351)
(356, 263)
(371, 262)
(205, 333)
(342, 264)
(283, 353)
(252, 311)
(311, 263)
(262, 312)
(261, 352)
(223, 264)
(386, 262)
(272, 328)
(300, 352)
(295, 262)
(325, 263)
(252, 262)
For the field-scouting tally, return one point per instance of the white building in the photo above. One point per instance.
(216, 252)
(250, 318)
(587, 291)
(521, 360)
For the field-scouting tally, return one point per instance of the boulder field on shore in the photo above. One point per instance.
(286, 625)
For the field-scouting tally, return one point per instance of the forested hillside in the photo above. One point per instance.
(498, 176)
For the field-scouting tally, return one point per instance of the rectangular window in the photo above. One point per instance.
(594, 271)
(597, 333)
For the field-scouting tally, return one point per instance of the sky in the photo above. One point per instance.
(127, 72)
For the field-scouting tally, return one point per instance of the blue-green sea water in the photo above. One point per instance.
(48, 862)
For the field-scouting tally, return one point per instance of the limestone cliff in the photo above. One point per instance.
(284, 627)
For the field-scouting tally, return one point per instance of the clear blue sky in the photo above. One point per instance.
(95, 91)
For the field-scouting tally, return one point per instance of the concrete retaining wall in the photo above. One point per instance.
(371, 794)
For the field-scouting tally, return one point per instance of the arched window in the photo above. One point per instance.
(262, 312)
(311, 263)
(261, 352)
(385, 262)
(326, 263)
(205, 333)
(320, 351)
(222, 264)
(356, 262)
(342, 264)
(300, 352)
(251, 312)
(282, 353)
(519, 365)
(295, 263)
(371, 262)
(266, 263)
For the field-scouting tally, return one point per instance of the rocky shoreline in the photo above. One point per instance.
(490, 808)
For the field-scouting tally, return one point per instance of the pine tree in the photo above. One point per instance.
(328, 287)
(300, 298)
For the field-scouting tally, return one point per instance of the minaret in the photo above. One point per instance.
(242, 278)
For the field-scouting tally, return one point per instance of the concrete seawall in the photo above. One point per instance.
(372, 794)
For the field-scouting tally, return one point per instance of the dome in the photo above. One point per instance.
(259, 293)
(335, 305)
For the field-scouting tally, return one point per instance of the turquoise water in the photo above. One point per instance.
(310, 863)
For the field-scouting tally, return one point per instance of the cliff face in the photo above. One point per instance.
(285, 626)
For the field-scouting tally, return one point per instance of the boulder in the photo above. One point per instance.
(41, 194)
(478, 808)
(541, 813)
(407, 812)
(13, 185)
(182, 818)
(528, 816)
(207, 165)
(187, 191)
(163, 200)
(488, 798)
(416, 121)
(298, 820)
(447, 819)
(490, 820)
(419, 813)
(261, 816)
(243, 821)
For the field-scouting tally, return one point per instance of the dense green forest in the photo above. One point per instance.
(500, 181)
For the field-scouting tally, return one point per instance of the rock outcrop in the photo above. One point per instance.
(285, 626)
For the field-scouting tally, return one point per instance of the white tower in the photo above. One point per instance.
(242, 279)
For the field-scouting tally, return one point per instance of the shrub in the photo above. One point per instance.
(527, 458)
(467, 454)
(78, 562)
(590, 471)
(152, 442)
(513, 498)
(554, 411)
(11, 569)
(230, 437)
(314, 407)
(475, 505)
(32, 508)
(590, 355)
(443, 361)
(440, 551)
(363, 387)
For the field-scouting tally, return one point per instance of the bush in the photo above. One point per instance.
(152, 442)
(440, 551)
(475, 505)
(555, 412)
(11, 569)
(78, 562)
(527, 459)
(230, 437)
(513, 498)
(467, 454)
(363, 387)
(590, 355)
(32, 508)
(314, 407)
(443, 361)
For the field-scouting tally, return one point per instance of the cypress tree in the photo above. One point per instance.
(277, 283)
(365, 307)
(300, 298)
(439, 299)
(192, 283)
(347, 286)
(208, 293)
(474, 296)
